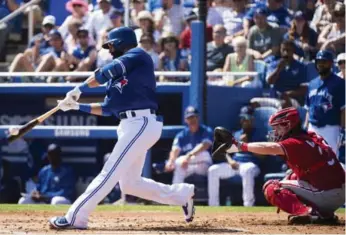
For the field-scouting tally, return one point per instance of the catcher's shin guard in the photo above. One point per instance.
(284, 199)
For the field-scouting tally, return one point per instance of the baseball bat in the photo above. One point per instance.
(30, 125)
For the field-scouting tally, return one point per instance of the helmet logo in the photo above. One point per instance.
(119, 84)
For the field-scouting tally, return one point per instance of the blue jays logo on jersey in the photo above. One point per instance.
(119, 84)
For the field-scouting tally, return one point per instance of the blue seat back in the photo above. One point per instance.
(261, 118)
(261, 68)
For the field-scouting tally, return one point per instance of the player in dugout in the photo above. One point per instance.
(316, 187)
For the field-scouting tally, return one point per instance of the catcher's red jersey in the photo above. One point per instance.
(313, 161)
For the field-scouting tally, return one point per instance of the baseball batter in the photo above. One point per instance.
(130, 95)
(316, 188)
(325, 101)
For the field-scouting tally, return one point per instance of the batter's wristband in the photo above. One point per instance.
(85, 108)
(83, 87)
(243, 147)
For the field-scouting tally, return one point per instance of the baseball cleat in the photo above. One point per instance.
(189, 210)
(312, 219)
(61, 223)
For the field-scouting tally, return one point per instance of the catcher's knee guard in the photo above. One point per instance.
(283, 198)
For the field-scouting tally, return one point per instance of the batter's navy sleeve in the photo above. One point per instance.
(118, 68)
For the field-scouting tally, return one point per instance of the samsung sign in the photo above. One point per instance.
(56, 120)
(71, 133)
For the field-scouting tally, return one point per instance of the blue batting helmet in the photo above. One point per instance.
(324, 55)
(121, 38)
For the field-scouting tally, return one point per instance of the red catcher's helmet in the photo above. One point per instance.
(282, 123)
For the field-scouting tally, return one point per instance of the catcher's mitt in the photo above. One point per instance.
(223, 140)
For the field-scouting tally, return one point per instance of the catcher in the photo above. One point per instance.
(316, 187)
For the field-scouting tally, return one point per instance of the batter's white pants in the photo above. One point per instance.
(58, 200)
(330, 134)
(135, 136)
(198, 164)
(248, 172)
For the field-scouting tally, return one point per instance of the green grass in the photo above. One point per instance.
(15, 208)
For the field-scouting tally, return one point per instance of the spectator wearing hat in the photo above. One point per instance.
(190, 152)
(6, 7)
(217, 50)
(236, 165)
(137, 6)
(84, 55)
(146, 25)
(169, 18)
(147, 43)
(288, 77)
(100, 20)
(341, 65)
(276, 12)
(79, 10)
(55, 57)
(55, 184)
(264, 39)
(233, 19)
(304, 37)
(27, 61)
(171, 58)
(117, 18)
(333, 35)
(323, 15)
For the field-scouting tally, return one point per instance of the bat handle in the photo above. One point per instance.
(47, 114)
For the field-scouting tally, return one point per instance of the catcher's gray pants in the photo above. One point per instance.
(326, 201)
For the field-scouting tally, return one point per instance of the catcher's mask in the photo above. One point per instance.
(282, 123)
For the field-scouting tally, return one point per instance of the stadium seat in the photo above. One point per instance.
(261, 117)
(261, 68)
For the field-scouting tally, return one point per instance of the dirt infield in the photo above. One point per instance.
(132, 222)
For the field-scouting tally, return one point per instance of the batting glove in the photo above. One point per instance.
(68, 104)
(74, 94)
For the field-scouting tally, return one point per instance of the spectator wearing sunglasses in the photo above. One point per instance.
(333, 35)
(79, 11)
(341, 64)
(27, 61)
(147, 43)
(84, 55)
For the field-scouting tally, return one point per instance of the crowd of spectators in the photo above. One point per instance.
(239, 34)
